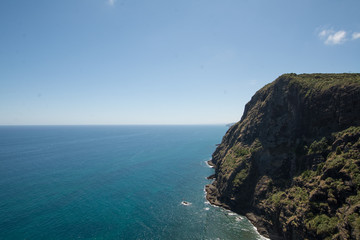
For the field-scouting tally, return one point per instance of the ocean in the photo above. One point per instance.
(111, 182)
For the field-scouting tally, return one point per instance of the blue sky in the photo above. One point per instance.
(161, 61)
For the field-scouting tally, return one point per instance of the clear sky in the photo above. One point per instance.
(162, 61)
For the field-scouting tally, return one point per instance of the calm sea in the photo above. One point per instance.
(111, 182)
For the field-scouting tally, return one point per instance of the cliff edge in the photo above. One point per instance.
(292, 163)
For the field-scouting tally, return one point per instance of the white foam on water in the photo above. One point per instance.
(263, 238)
(185, 203)
(207, 164)
(260, 237)
(206, 209)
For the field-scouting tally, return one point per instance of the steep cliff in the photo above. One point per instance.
(292, 163)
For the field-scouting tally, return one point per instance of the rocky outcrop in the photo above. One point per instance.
(292, 163)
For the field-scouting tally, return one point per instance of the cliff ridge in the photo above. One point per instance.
(292, 163)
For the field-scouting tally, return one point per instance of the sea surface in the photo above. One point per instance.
(111, 182)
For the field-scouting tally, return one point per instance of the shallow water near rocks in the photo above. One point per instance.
(111, 182)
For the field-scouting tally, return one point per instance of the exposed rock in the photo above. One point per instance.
(211, 177)
(292, 164)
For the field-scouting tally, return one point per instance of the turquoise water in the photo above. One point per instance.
(111, 182)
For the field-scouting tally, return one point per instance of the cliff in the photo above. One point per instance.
(292, 163)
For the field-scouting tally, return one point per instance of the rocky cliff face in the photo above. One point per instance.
(292, 164)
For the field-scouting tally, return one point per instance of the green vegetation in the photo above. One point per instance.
(229, 162)
(241, 176)
(316, 82)
(241, 151)
(319, 169)
(321, 197)
(238, 158)
(308, 174)
(291, 198)
(319, 81)
(300, 178)
(335, 161)
(256, 146)
(351, 131)
(243, 154)
(354, 220)
(318, 146)
(323, 225)
(277, 198)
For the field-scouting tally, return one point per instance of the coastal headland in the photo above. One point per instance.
(292, 163)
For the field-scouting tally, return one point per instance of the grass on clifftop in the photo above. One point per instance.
(323, 81)
(317, 81)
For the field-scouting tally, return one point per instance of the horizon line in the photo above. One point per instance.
(121, 124)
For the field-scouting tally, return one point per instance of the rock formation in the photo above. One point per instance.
(292, 163)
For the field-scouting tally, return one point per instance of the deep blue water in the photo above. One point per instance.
(111, 182)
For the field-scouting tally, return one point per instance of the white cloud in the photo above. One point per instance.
(355, 35)
(324, 33)
(336, 38)
(111, 2)
(332, 38)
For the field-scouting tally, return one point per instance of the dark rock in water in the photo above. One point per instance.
(292, 164)
(210, 163)
(211, 177)
(185, 203)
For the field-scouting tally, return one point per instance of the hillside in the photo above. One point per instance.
(292, 163)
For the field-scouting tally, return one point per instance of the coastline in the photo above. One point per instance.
(212, 196)
(209, 164)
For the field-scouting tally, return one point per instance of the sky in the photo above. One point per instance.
(81, 62)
